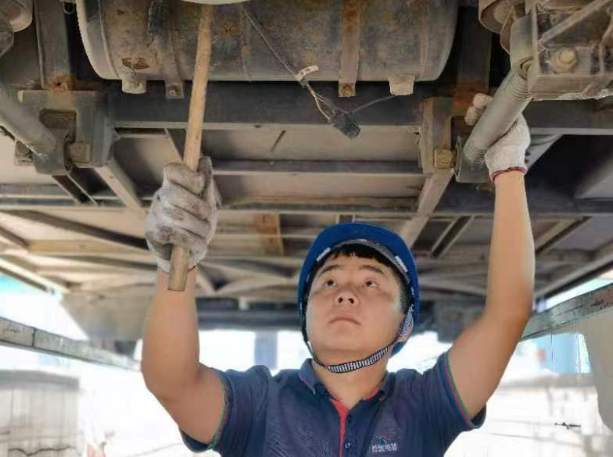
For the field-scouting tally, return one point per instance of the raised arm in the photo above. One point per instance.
(191, 392)
(481, 354)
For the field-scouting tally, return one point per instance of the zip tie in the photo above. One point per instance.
(305, 71)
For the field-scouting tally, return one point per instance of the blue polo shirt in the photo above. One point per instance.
(293, 414)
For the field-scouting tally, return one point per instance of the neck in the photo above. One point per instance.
(350, 388)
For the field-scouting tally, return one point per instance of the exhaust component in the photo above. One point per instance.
(510, 100)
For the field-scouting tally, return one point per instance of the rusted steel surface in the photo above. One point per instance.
(53, 47)
(160, 31)
(350, 47)
(398, 38)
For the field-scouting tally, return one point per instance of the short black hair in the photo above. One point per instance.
(363, 252)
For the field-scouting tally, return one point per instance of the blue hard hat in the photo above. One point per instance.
(384, 241)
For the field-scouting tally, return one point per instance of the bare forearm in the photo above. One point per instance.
(511, 269)
(170, 345)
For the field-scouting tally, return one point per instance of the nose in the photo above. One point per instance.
(346, 297)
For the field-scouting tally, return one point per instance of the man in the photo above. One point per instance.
(359, 301)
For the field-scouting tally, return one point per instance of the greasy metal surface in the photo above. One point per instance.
(572, 50)
(53, 46)
(159, 30)
(350, 46)
(474, 49)
(92, 135)
(116, 40)
(508, 103)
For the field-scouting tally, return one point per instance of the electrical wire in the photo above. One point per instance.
(325, 106)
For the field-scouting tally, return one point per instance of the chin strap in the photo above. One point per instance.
(347, 367)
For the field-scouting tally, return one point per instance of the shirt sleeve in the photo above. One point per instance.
(443, 405)
(245, 400)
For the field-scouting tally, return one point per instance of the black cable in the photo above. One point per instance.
(338, 118)
(373, 102)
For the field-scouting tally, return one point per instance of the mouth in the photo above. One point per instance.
(344, 319)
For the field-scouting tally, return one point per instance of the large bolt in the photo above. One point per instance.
(565, 59)
(444, 158)
(347, 90)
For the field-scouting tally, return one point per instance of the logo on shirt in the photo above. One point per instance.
(383, 444)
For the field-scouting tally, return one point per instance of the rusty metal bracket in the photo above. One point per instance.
(350, 47)
(568, 28)
(564, 53)
(91, 134)
(53, 47)
(160, 31)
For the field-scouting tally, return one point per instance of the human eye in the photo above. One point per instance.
(328, 283)
(369, 284)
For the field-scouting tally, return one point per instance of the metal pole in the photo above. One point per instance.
(25, 127)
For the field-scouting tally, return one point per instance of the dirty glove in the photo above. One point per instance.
(183, 213)
(509, 152)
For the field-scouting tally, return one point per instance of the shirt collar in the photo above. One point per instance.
(308, 376)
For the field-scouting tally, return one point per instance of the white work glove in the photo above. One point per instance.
(509, 152)
(183, 213)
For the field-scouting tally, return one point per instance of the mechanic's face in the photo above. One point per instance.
(353, 309)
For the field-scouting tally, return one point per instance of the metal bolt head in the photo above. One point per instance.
(565, 59)
(347, 90)
(444, 158)
(173, 92)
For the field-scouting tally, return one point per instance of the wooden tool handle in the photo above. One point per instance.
(193, 141)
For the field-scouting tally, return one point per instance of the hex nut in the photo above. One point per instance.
(565, 59)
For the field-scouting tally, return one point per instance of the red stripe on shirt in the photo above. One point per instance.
(342, 414)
